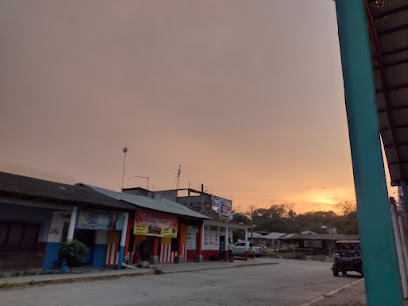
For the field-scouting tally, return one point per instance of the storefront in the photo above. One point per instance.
(217, 235)
(23, 234)
(90, 226)
(157, 237)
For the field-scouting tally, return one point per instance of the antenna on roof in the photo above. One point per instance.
(124, 162)
(178, 177)
(145, 177)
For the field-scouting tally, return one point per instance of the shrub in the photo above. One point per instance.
(73, 252)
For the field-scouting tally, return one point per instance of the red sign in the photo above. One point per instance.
(153, 223)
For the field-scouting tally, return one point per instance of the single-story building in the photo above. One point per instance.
(37, 215)
(315, 244)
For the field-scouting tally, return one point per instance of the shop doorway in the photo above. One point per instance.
(222, 246)
(88, 238)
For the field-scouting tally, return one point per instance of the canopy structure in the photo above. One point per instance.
(373, 37)
(388, 30)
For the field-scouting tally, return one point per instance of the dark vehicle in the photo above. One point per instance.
(347, 257)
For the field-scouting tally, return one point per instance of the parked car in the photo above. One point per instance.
(264, 249)
(347, 257)
(239, 249)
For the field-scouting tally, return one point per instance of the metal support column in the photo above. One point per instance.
(246, 244)
(179, 257)
(382, 279)
(199, 254)
(71, 227)
(123, 240)
(226, 244)
(405, 196)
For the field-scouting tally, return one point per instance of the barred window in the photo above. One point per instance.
(15, 235)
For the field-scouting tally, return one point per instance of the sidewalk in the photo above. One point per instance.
(44, 279)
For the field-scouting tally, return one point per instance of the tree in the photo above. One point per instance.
(347, 221)
(240, 218)
(346, 207)
(314, 220)
(73, 253)
(282, 218)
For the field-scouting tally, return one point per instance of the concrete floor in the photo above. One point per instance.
(291, 282)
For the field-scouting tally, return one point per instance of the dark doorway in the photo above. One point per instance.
(88, 238)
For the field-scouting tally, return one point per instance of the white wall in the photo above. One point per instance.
(57, 225)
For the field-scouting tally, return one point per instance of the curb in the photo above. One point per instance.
(5, 285)
(258, 264)
(219, 268)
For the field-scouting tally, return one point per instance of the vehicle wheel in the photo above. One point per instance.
(344, 272)
(335, 271)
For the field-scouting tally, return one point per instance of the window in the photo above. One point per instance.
(18, 235)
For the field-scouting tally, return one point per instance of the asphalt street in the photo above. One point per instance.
(291, 282)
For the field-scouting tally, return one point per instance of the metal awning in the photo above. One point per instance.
(388, 29)
(162, 205)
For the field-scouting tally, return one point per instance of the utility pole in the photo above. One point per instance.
(178, 177)
(125, 149)
(252, 222)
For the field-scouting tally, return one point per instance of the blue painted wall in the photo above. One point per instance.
(99, 255)
(51, 255)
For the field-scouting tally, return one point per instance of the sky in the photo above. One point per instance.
(247, 96)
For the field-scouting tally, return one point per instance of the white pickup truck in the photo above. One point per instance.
(239, 249)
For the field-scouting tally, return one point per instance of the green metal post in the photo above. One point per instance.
(382, 280)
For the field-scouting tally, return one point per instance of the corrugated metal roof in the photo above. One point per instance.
(232, 225)
(29, 188)
(388, 26)
(159, 204)
(257, 236)
(272, 235)
(318, 237)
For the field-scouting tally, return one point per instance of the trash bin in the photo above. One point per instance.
(230, 256)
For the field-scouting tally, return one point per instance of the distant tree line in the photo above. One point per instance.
(282, 218)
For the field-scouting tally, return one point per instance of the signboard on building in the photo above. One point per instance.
(211, 240)
(191, 240)
(153, 223)
(99, 220)
(222, 207)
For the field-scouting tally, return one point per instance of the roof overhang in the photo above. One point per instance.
(388, 31)
(231, 225)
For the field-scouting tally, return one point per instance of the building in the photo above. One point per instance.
(37, 215)
(314, 244)
(216, 232)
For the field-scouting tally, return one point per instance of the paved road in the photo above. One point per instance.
(291, 282)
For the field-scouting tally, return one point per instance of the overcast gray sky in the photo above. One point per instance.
(246, 95)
